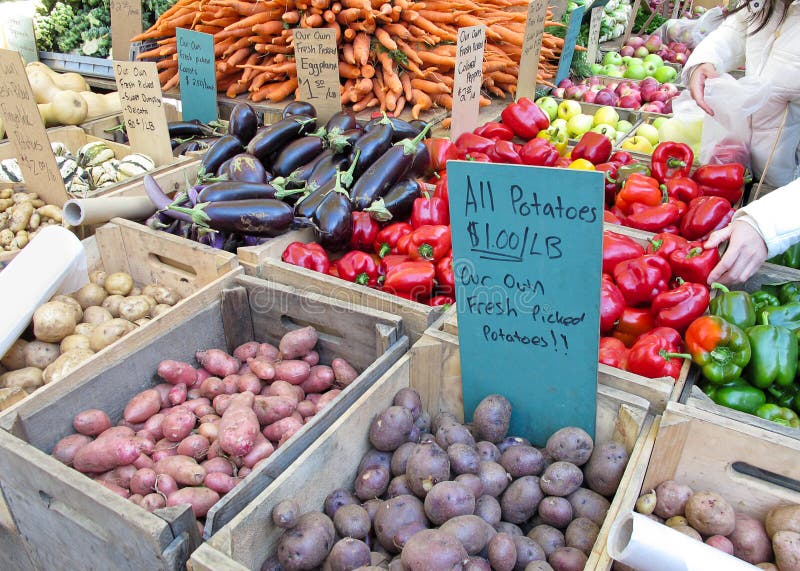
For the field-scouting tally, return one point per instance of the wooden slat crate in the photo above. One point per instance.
(265, 262)
(70, 521)
(699, 449)
(251, 537)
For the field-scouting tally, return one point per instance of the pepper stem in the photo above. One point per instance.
(675, 163)
(385, 250)
(667, 355)
(721, 355)
(362, 278)
(693, 253)
(720, 287)
(664, 194)
(656, 244)
(379, 211)
(426, 251)
(765, 318)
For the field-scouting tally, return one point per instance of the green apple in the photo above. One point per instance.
(655, 59)
(549, 106)
(648, 132)
(612, 58)
(606, 130)
(665, 74)
(650, 68)
(567, 109)
(636, 61)
(596, 69)
(658, 121)
(613, 70)
(578, 125)
(559, 126)
(627, 60)
(624, 126)
(635, 71)
(606, 115)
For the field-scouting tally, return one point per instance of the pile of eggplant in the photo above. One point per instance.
(184, 136)
(259, 182)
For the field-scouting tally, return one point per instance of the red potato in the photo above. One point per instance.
(214, 451)
(288, 434)
(205, 410)
(201, 499)
(164, 449)
(136, 498)
(239, 426)
(221, 403)
(276, 430)
(183, 469)
(122, 492)
(268, 351)
(117, 432)
(153, 502)
(143, 461)
(298, 342)
(262, 449)
(306, 408)
(66, 448)
(178, 394)
(218, 466)
(163, 391)
(146, 435)
(284, 389)
(145, 445)
(194, 446)
(142, 406)
(320, 379)
(312, 358)
(327, 398)
(196, 404)
(292, 371)
(177, 372)
(193, 393)
(210, 417)
(248, 382)
(134, 426)
(143, 481)
(121, 476)
(209, 430)
(343, 371)
(272, 409)
(218, 362)
(105, 453)
(313, 397)
(202, 375)
(165, 484)
(243, 472)
(153, 426)
(212, 387)
(262, 368)
(91, 422)
(246, 351)
(231, 384)
(244, 369)
(220, 483)
(178, 424)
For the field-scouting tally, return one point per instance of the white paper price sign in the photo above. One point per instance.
(594, 35)
(531, 48)
(468, 80)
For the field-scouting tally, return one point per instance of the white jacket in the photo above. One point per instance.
(773, 56)
(775, 216)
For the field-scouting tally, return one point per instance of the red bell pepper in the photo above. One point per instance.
(525, 118)
(633, 323)
(358, 267)
(495, 130)
(682, 188)
(677, 308)
(311, 256)
(477, 157)
(538, 153)
(610, 217)
(613, 352)
(670, 160)
(441, 300)
(391, 261)
(621, 157)
(470, 143)
(694, 264)
(618, 248)
(430, 243)
(445, 278)
(726, 181)
(403, 244)
(429, 211)
(641, 279)
(563, 162)
(654, 218)
(441, 190)
(704, 215)
(641, 189)
(365, 231)
(610, 171)
(386, 242)
(653, 357)
(594, 147)
(664, 244)
(612, 304)
(440, 151)
(670, 335)
(504, 152)
(412, 280)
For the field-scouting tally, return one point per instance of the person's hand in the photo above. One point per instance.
(745, 254)
(697, 84)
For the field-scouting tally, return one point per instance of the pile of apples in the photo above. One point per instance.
(630, 67)
(646, 95)
(642, 46)
(645, 138)
(568, 117)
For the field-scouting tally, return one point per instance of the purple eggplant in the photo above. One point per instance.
(325, 171)
(307, 206)
(341, 122)
(225, 148)
(256, 216)
(297, 153)
(334, 220)
(225, 167)
(228, 190)
(243, 122)
(370, 146)
(245, 168)
(270, 140)
(397, 203)
(161, 201)
(184, 129)
(400, 129)
(193, 146)
(299, 108)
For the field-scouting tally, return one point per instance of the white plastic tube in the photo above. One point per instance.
(98, 210)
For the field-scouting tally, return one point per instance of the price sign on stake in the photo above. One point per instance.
(318, 70)
(531, 47)
(594, 35)
(527, 250)
(126, 22)
(569, 43)
(143, 109)
(26, 130)
(468, 80)
(197, 75)
(19, 37)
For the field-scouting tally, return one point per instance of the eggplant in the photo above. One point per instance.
(334, 221)
(400, 129)
(341, 122)
(301, 173)
(325, 171)
(257, 216)
(194, 145)
(228, 190)
(297, 153)
(245, 168)
(243, 122)
(269, 140)
(419, 125)
(183, 129)
(397, 203)
(225, 148)
(371, 145)
(422, 159)
(352, 135)
(299, 108)
(161, 201)
(307, 206)
(225, 167)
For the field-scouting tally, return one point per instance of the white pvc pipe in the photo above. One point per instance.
(99, 210)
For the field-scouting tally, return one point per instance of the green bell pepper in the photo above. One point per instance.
(787, 316)
(627, 170)
(762, 299)
(739, 395)
(790, 258)
(721, 349)
(789, 293)
(783, 396)
(779, 415)
(733, 306)
(773, 357)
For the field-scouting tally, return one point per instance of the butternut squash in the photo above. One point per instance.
(99, 105)
(44, 90)
(71, 80)
(66, 108)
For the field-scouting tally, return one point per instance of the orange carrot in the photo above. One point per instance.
(401, 104)
(429, 86)
(385, 39)
(367, 71)
(348, 54)
(349, 71)
(406, 81)
(361, 48)
(267, 29)
(421, 102)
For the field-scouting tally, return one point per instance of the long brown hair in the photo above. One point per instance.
(764, 15)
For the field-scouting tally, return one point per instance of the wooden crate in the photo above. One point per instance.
(265, 262)
(702, 449)
(69, 521)
(251, 537)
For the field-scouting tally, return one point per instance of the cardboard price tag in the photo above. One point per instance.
(468, 80)
(126, 22)
(531, 48)
(594, 35)
(26, 131)
(143, 109)
(527, 251)
(18, 30)
(569, 43)
(197, 75)
(318, 70)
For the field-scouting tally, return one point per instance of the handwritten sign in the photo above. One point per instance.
(26, 131)
(126, 22)
(197, 75)
(594, 35)
(531, 47)
(468, 80)
(318, 70)
(143, 109)
(18, 30)
(527, 247)
(569, 43)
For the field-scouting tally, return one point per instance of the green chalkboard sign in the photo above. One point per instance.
(527, 250)
(197, 75)
(570, 39)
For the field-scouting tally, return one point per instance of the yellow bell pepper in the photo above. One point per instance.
(581, 165)
(557, 137)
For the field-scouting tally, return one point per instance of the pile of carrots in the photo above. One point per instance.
(393, 53)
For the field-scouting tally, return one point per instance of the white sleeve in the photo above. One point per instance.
(724, 47)
(775, 216)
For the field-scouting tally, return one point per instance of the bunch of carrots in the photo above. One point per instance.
(393, 53)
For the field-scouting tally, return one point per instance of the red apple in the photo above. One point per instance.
(659, 96)
(593, 80)
(656, 107)
(627, 51)
(653, 43)
(558, 92)
(566, 82)
(670, 88)
(605, 97)
(680, 47)
(635, 42)
(630, 101)
(589, 96)
(667, 107)
(680, 58)
(641, 52)
(649, 82)
(575, 92)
